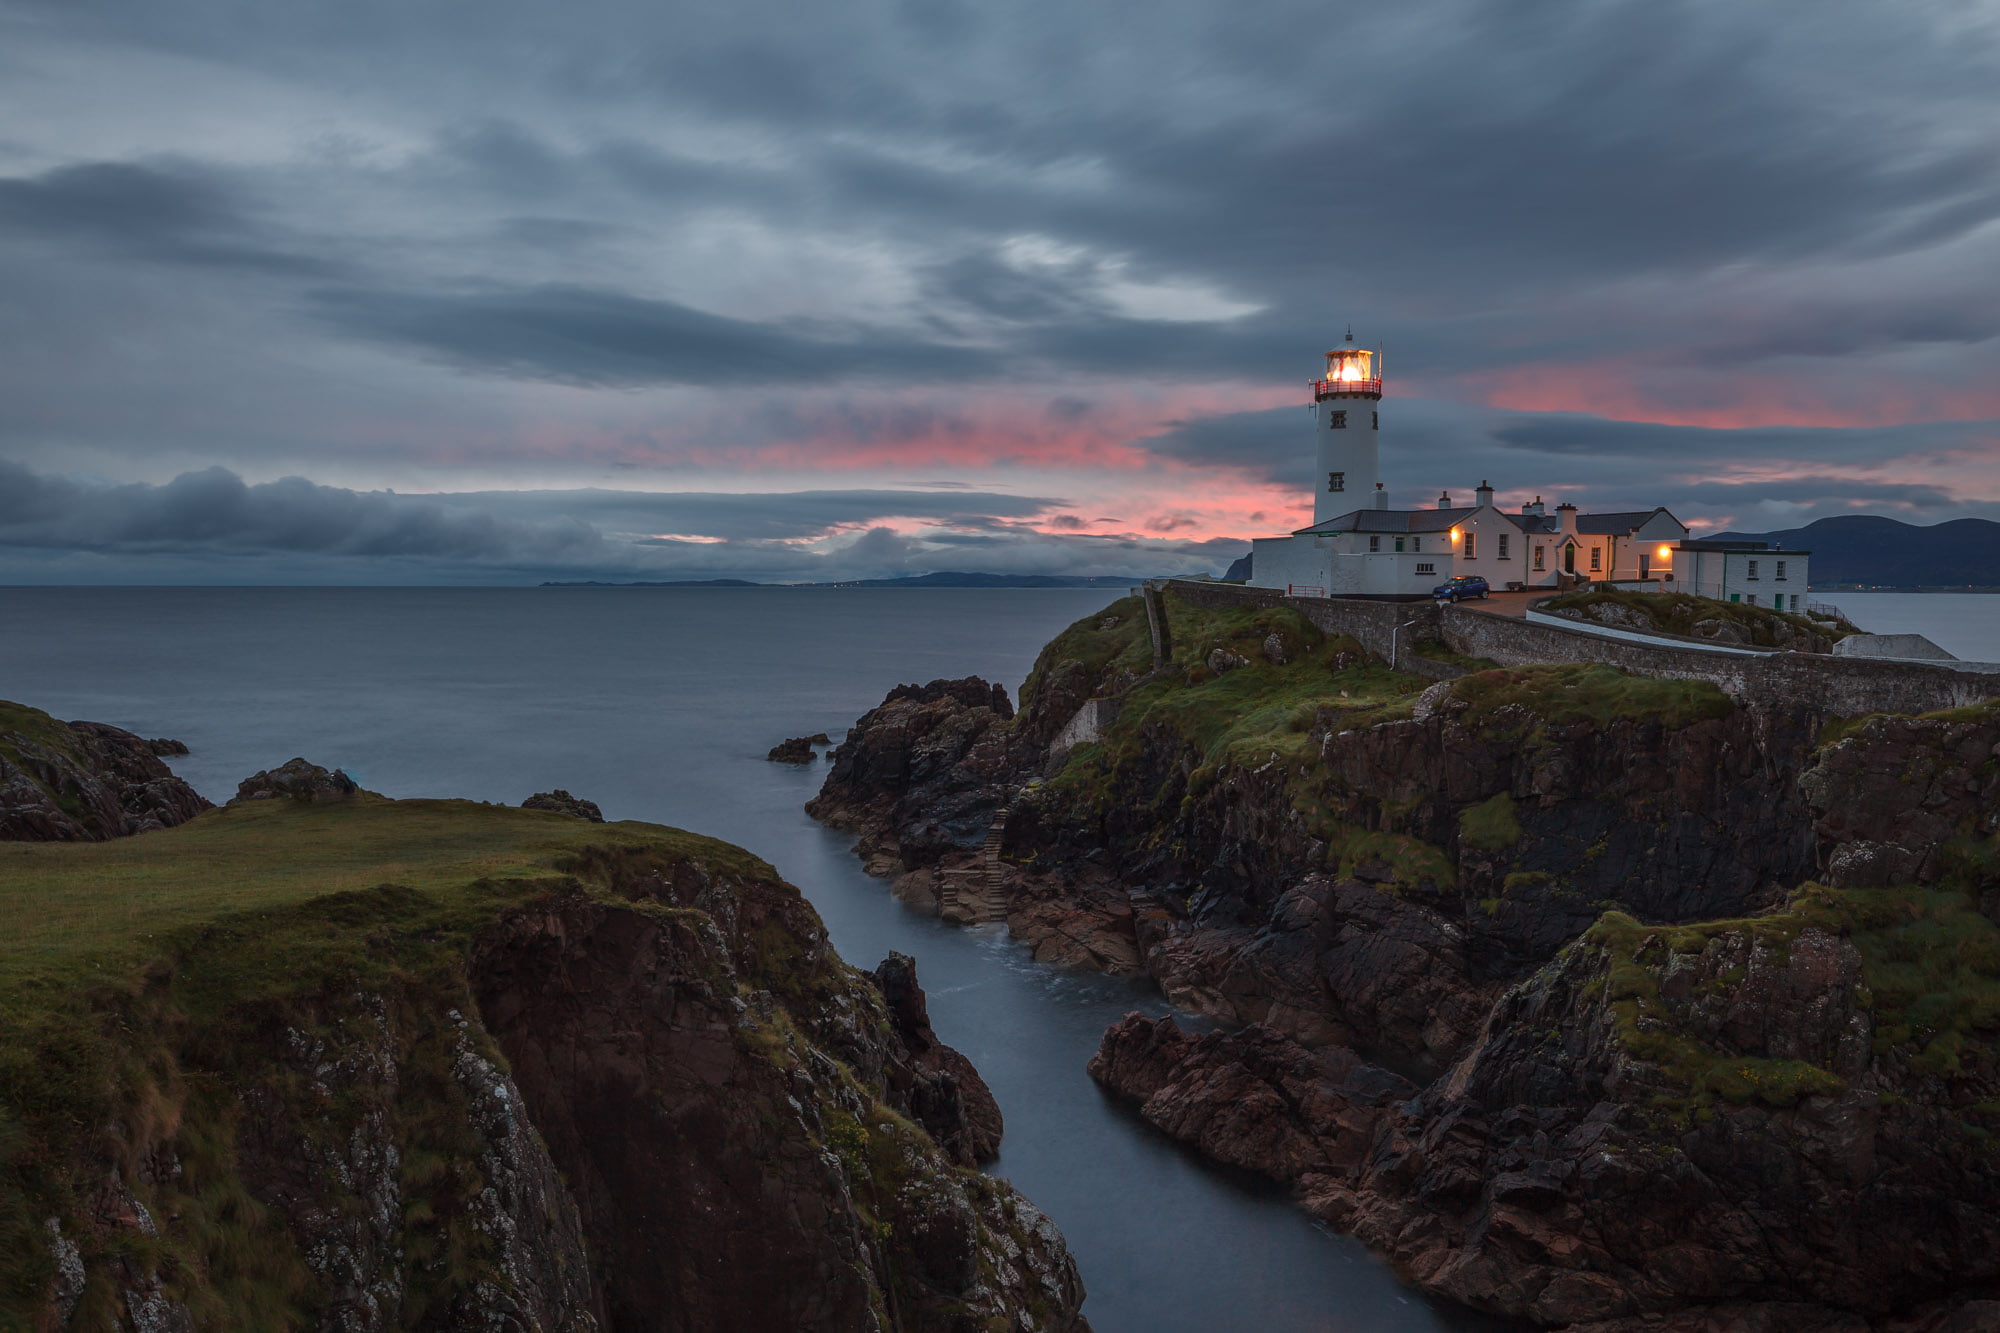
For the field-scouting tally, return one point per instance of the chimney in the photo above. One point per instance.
(1484, 495)
(1533, 507)
(1566, 518)
(1444, 499)
(1381, 497)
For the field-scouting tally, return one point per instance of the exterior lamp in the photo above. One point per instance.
(1666, 553)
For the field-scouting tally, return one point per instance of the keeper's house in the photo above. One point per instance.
(1374, 551)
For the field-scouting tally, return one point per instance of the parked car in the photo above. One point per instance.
(1460, 586)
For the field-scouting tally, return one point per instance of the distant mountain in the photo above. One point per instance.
(1239, 570)
(1884, 552)
(948, 579)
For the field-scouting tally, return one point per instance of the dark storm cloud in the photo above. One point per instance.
(578, 336)
(1573, 434)
(176, 215)
(217, 509)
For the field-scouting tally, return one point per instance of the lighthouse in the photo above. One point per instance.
(1346, 416)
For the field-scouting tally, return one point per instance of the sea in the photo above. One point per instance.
(659, 704)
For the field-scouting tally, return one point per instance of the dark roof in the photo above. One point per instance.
(1391, 520)
(1616, 524)
(1724, 544)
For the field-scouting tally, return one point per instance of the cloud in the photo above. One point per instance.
(212, 526)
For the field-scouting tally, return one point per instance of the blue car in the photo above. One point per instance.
(1460, 586)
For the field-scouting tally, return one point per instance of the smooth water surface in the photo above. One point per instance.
(1964, 624)
(659, 705)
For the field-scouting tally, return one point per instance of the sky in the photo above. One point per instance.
(433, 291)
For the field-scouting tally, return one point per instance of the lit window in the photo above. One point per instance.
(1781, 571)
(1336, 481)
(1471, 545)
(1538, 556)
(1753, 572)
(1336, 421)
(1374, 543)
(1596, 558)
(1502, 553)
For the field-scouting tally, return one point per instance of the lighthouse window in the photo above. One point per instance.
(1375, 421)
(1336, 421)
(1336, 481)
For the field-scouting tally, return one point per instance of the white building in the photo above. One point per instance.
(1359, 547)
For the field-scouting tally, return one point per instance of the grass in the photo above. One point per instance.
(148, 985)
(1517, 702)
(1680, 612)
(108, 899)
(1930, 980)
(1490, 825)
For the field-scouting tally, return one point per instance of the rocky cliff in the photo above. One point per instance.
(560, 1076)
(1597, 1001)
(84, 781)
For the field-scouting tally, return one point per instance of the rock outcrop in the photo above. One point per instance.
(296, 780)
(83, 781)
(642, 1092)
(1594, 1000)
(562, 803)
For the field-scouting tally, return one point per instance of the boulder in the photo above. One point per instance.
(299, 781)
(165, 748)
(797, 750)
(562, 803)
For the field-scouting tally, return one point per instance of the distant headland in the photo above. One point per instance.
(947, 579)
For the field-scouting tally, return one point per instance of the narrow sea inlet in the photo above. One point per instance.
(659, 704)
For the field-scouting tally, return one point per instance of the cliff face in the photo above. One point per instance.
(83, 781)
(1278, 829)
(627, 1084)
(1549, 1006)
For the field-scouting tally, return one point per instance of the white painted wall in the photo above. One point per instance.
(1341, 565)
(1350, 451)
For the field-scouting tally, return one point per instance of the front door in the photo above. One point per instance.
(1569, 559)
(1645, 564)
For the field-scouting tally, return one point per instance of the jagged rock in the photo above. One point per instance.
(1721, 631)
(945, 1093)
(1274, 649)
(296, 780)
(166, 748)
(797, 750)
(83, 781)
(1221, 660)
(562, 803)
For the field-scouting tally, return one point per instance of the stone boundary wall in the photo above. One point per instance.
(1831, 686)
(1534, 617)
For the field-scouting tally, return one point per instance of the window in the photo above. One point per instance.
(1399, 543)
(1427, 568)
(1737, 597)
(1781, 571)
(1540, 552)
(1336, 421)
(1471, 546)
(1374, 543)
(1336, 481)
(1753, 570)
(1502, 554)
(1596, 558)
(1416, 543)
(1753, 599)
(1375, 421)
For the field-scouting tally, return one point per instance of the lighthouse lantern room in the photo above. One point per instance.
(1346, 416)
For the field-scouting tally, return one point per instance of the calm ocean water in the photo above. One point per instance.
(659, 704)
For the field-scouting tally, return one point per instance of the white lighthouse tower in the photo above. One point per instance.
(1346, 416)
